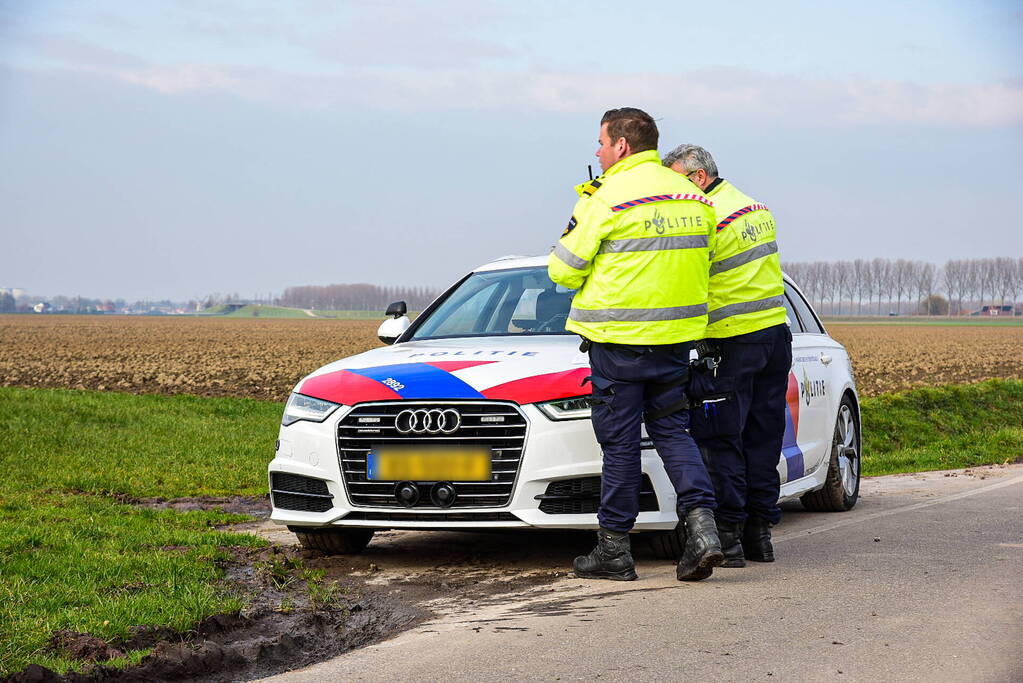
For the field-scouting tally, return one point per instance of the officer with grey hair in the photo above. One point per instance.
(693, 162)
(738, 411)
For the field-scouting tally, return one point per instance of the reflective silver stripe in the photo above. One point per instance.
(562, 252)
(663, 243)
(759, 251)
(745, 307)
(606, 315)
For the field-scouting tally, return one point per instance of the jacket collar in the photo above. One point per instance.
(716, 185)
(632, 161)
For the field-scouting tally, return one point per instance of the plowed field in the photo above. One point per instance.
(264, 358)
(892, 357)
(259, 358)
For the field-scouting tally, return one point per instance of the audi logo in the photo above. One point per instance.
(428, 421)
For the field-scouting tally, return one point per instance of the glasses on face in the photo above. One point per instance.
(690, 174)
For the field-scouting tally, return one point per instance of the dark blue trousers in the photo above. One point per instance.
(629, 381)
(738, 419)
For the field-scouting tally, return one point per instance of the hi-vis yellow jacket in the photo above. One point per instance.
(746, 289)
(637, 249)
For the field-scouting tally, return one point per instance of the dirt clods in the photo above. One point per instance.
(83, 646)
(254, 506)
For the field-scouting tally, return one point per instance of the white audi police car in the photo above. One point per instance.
(476, 416)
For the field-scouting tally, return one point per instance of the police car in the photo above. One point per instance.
(475, 415)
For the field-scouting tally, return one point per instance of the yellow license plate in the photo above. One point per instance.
(396, 463)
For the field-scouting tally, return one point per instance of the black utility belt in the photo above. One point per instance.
(647, 348)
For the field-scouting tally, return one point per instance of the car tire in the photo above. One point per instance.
(668, 545)
(842, 485)
(335, 541)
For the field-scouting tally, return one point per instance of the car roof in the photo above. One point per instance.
(514, 261)
(509, 262)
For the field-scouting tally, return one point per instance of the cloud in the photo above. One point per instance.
(83, 53)
(443, 33)
(439, 84)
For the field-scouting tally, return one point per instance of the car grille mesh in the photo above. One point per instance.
(372, 425)
(295, 492)
(582, 496)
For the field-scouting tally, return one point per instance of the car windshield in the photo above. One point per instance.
(520, 301)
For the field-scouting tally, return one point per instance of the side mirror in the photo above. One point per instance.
(392, 328)
(397, 310)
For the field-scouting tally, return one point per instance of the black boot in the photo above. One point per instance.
(703, 548)
(730, 534)
(611, 559)
(756, 540)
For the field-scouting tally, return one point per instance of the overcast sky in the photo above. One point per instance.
(175, 149)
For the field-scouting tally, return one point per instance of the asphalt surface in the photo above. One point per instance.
(923, 580)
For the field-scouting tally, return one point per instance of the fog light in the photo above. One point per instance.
(443, 494)
(407, 493)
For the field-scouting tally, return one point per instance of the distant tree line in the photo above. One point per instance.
(879, 286)
(356, 297)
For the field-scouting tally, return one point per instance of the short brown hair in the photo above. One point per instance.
(635, 125)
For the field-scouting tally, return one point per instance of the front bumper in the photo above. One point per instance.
(553, 451)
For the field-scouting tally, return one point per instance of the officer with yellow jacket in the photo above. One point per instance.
(637, 249)
(738, 416)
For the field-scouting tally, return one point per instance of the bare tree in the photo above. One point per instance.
(924, 283)
(879, 269)
(1003, 272)
(842, 274)
(1017, 280)
(821, 280)
(862, 282)
(957, 277)
(901, 277)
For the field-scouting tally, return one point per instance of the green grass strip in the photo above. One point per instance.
(104, 442)
(942, 428)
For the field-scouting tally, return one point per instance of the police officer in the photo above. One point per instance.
(636, 249)
(738, 416)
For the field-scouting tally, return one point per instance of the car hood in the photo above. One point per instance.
(519, 369)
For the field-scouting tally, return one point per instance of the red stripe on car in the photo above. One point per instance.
(547, 387)
(347, 388)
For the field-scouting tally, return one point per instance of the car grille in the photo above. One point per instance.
(295, 492)
(372, 425)
(582, 496)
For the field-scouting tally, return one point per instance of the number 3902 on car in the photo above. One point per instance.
(476, 415)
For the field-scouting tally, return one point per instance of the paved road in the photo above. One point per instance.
(923, 580)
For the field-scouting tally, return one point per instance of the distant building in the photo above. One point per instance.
(16, 292)
(994, 310)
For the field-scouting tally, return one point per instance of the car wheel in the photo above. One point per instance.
(335, 541)
(842, 486)
(668, 545)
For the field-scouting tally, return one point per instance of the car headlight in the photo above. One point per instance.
(301, 407)
(576, 408)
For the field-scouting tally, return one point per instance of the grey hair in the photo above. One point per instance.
(693, 158)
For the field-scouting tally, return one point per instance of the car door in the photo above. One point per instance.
(808, 414)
